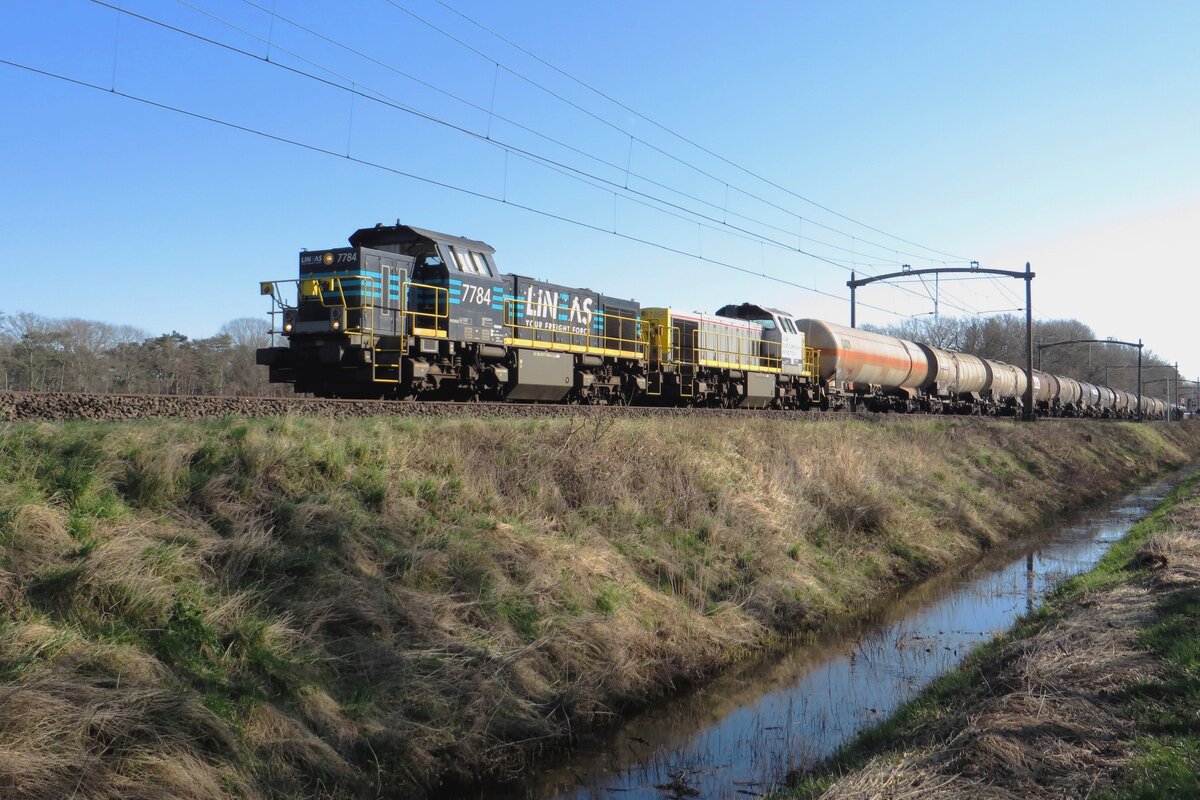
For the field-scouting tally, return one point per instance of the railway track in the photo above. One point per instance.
(65, 406)
(68, 406)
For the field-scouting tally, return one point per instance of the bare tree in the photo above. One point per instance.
(1002, 338)
(247, 332)
(246, 335)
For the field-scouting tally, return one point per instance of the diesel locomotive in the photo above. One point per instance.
(408, 313)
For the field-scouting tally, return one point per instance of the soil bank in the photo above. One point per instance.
(368, 607)
(1096, 694)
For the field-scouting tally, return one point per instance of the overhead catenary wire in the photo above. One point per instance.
(676, 134)
(561, 167)
(1006, 291)
(492, 114)
(356, 89)
(490, 111)
(953, 300)
(516, 73)
(425, 179)
(574, 172)
(750, 271)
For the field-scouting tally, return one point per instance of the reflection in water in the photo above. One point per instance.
(739, 736)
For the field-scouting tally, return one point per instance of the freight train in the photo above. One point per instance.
(408, 313)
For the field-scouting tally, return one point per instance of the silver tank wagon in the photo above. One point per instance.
(853, 356)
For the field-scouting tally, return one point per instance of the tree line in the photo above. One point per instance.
(77, 355)
(1002, 338)
(42, 354)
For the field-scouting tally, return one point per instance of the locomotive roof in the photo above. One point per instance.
(404, 234)
(755, 308)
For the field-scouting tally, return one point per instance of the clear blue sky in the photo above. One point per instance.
(1066, 134)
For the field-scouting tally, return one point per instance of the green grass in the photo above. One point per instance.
(610, 597)
(333, 605)
(1165, 711)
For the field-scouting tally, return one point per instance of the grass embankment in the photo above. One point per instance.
(1096, 694)
(306, 608)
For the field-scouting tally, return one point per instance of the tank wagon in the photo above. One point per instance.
(404, 312)
(883, 372)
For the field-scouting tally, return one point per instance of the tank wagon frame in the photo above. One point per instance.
(409, 313)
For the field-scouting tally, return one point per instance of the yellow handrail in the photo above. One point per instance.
(330, 292)
(812, 362)
(734, 351)
(440, 293)
(658, 351)
(587, 342)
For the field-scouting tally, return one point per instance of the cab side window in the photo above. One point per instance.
(469, 261)
(461, 261)
(481, 265)
(787, 325)
(385, 295)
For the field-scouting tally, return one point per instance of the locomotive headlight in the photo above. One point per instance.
(287, 327)
(336, 325)
(289, 320)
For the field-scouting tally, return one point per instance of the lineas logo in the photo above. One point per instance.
(543, 303)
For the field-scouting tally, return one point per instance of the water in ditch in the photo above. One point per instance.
(739, 736)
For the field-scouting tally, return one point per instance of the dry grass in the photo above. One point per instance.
(323, 609)
(905, 779)
(1050, 722)
(1174, 557)
(38, 534)
(75, 732)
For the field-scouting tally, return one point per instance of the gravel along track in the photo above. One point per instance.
(65, 406)
(57, 406)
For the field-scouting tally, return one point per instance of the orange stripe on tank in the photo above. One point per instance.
(868, 358)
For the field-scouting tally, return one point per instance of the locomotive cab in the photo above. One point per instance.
(348, 291)
(456, 291)
(346, 323)
(781, 335)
